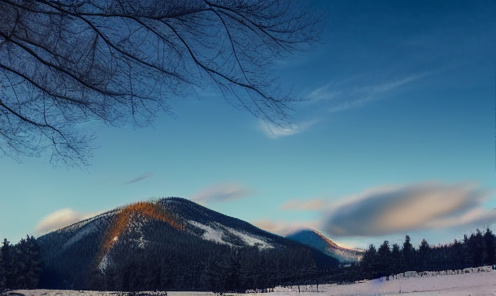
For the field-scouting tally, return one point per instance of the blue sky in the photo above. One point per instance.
(396, 136)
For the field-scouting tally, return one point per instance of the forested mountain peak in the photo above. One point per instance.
(168, 240)
(317, 240)
(312, 234)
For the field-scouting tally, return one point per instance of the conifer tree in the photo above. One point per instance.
(457, 255)
(7, 264)
(396, 259)
(34, 264)
(479, 248)
(467, 254)
(2, 274)
(408, 252)
(20, 265)
(490, 246)
(384, 259)
(424, 256)
(369, 262)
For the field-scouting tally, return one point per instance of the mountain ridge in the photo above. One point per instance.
(317, 240)
(167, 243)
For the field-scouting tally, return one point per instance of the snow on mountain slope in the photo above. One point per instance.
(219, 234)
(83, 232)
(251, 240)
(164, 230)
(132, 225)
(82, 229)
(211, 234)
(318, 241)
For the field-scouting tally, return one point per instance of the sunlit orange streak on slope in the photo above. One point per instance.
(145, 209)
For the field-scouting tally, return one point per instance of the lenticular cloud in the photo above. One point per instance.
(58, 219)
(388, 210)
(61, 218)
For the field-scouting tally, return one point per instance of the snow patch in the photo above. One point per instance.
(210, 233)
(104, 263)
(219, 231)
(251, 240)
(78, 236)
(141, 242)
(78, 225)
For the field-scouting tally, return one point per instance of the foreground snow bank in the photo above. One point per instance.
(480, 284)
(473, 284)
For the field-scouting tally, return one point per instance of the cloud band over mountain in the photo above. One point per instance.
(60, 218)
(388, 210)
(220, 193)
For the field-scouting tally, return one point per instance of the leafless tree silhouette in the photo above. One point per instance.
(65, 63)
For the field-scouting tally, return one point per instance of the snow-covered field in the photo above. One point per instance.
(476, 284)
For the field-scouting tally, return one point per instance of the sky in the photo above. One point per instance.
(395, 135)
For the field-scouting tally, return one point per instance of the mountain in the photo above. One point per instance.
(173, 244)
(318, 241)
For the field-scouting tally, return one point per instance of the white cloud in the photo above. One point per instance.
(474, 216)
(395, 209)
(60, 218)
(284, 228)
(222, 192)
(354, 93)
(305, 205)
(275, 131)
(139, 178)
(326, 92)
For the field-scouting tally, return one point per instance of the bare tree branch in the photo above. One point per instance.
(67, 62)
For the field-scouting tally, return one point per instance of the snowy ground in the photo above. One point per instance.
(477, 284)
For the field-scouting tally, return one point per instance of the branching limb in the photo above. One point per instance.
(66, 62)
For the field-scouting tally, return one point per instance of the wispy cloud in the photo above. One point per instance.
(221, 193)
(275, 131)
(139, 178)
(284, 228)
(396, 209)
(304, 205)
(354, 93)
(341, 95)
(60, 218)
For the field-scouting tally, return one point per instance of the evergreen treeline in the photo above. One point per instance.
(384, 260)
(20, 264)
(154, 254)
(171, 260)
(218, 269)
(158, 256)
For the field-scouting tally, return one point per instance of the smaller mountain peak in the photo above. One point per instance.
(312, 235)
(315, 239)
(307, 231)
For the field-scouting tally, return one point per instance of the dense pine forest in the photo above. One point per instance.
(173, 254)
(20, 264)
(475, 250)
(174, 260)
(228, 269)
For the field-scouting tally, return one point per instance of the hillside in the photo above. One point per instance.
(173, 244)
(318, 241)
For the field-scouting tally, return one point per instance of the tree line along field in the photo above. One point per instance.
(21, 267)
(475, 250)
(473, 284)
